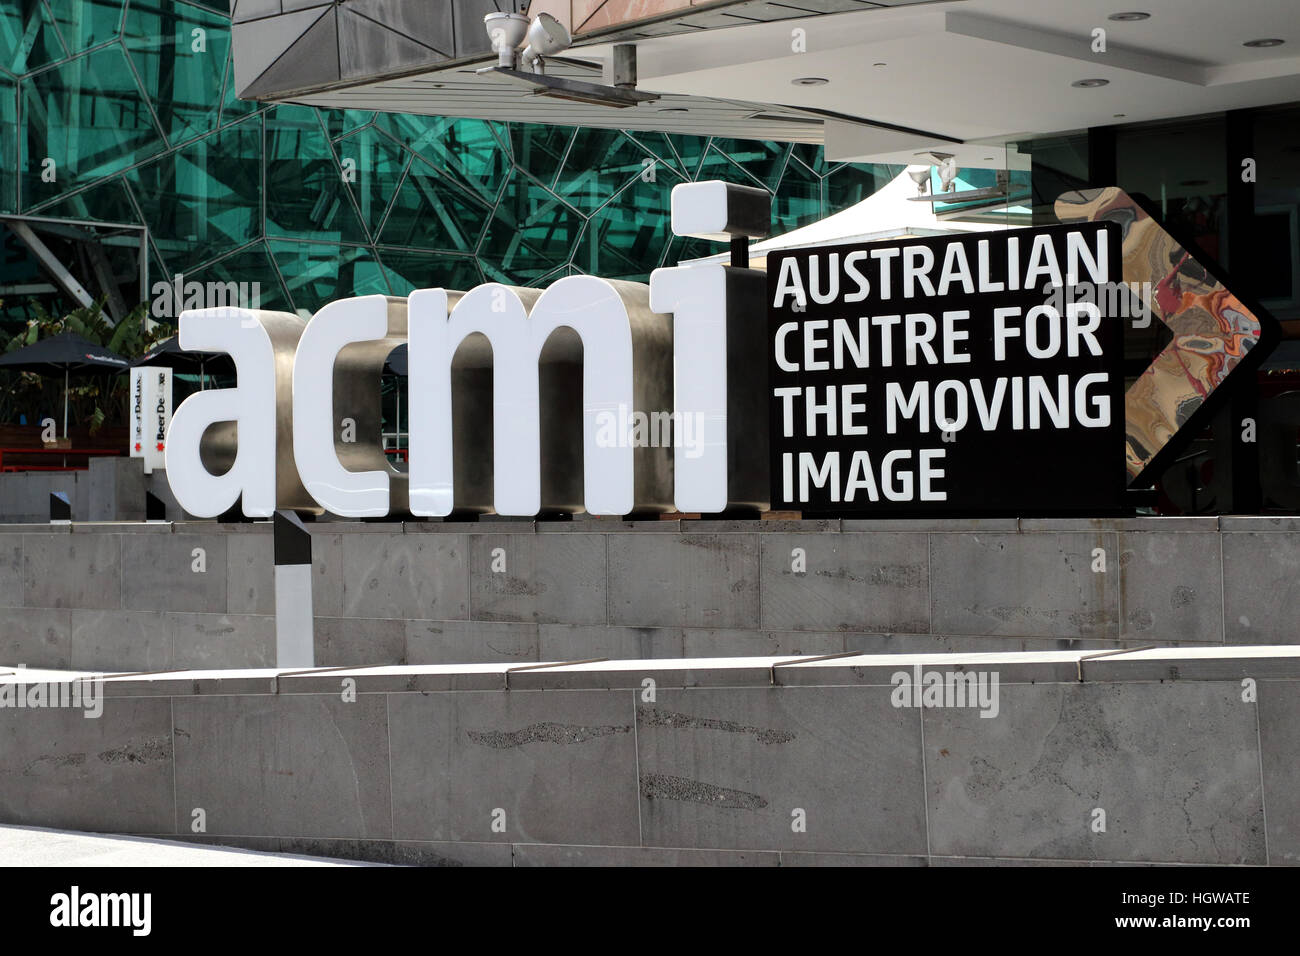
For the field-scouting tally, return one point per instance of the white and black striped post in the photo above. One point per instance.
(294, 643)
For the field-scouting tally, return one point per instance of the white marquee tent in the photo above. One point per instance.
(889, 213)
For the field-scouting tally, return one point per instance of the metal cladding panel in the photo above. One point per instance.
(293, 47)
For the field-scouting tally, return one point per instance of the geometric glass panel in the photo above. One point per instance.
(600, 163)
(659, 146)
(849, 185)
(8, 144)
(29, 39)
(316, 273)
(430, 212)
(408, 270)
(718, 165)
(540, 150)
(814, 157)
(180, 53)
(799, 200)
(341, 122)
(466, 150)
(106, 201)
(690, 151)
(83, 119)
(376, 164)
(202, 200)
(87, 23)
(305, 190)
(630, 231)
(763, 161)
(252, 264)
(530, 234)
(322, 204)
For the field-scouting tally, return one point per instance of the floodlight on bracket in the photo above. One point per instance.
(578, 91)
(505, 32)
(548, 37)
(1002, 190)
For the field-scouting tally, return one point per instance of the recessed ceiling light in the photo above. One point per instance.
(1129, 16)
(1090, 84)
(672, 109)
(1119, 116)
(880, 66)
(810, 81)
(1263, 44)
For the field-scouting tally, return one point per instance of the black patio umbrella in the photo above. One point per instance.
(396, 363)
(169, 353)
(68, 353)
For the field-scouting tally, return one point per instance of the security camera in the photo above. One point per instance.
(547, 36)
(505, 31)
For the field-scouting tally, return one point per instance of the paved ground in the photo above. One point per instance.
(30, 846)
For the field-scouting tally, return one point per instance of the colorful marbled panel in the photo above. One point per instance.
(1212, 330)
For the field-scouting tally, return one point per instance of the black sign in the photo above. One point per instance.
(977, 374)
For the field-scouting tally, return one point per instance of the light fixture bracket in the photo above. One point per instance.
(578, 91)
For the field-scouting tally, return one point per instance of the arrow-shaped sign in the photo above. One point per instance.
(1213, 331)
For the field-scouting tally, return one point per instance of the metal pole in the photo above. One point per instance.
(62, 277)
(65, 402)
(740, 252)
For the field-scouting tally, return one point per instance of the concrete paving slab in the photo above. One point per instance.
(1034, 782)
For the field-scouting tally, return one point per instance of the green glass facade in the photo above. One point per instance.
(124, 111)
